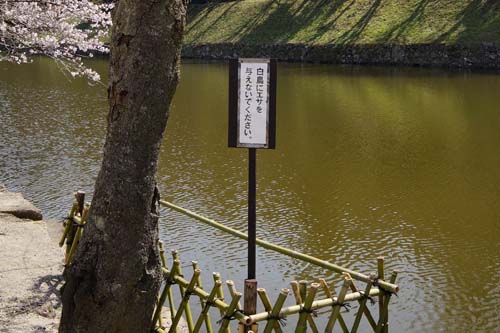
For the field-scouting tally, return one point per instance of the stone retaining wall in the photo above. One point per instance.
(481, 56)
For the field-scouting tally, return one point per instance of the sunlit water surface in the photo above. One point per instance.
(402, 163)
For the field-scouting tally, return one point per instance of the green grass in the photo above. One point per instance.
(346, 22)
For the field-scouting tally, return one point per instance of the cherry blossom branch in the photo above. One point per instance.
(62, 30)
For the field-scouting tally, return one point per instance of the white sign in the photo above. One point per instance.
(253, 99)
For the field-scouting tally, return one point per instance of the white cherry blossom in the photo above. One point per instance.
(64, 30)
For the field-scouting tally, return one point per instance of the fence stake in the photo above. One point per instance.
(185, 301)
(296, 292)
(380, 275)
(220, 294)
(337, 305)
(79, 198)
(306, 311)
(162, 254)
(189, 316)
(232, 291)
(68, 223)
(362, 308)
(167, 290)
(269, 308)
(208, 323)
(383, 322)
(275, 312)
(229, 313)
(206, 307)
(331, 295)
(303, 290)
(299, 290)
(78, 234)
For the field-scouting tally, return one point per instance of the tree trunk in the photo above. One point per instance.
(113, 281)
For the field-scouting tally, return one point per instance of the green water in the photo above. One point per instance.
(369, 161)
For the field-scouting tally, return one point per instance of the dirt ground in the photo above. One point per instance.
(30, 276)
(31, 265)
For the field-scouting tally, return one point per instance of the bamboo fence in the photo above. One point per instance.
(309, 298)
(273, 318)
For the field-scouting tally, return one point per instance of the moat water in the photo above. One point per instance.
(370, 161)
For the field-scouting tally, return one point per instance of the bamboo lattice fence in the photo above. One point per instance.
(310, 299)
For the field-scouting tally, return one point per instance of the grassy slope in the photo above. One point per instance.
(346, 21)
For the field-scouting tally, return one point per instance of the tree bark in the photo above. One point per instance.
(113, 281)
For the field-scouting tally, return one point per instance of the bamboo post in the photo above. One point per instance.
(380, 275)
(250, 302)
(178, 271)
(78, 234)
(299, 292)
(363, 309)
(264, 299)
(269, 308)
(189, 316)
(232, 291)
(306, 310)
(303, 289)
(331, 295)
(229, 313)
(393, 278)
(208, 323)
(164, 265)
(68, 223)
(167, 291)
(337, 305)
(185, 301)
(383, 323)
(79, 198)
(160, 319)
(220, 294)
(206, 307)
(171, 303)
(162, 254)
(296, 292)
(366, 311)
(274, 316)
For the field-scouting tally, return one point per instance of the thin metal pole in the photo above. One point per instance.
(252, 190)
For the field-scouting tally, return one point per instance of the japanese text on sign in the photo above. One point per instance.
(253, 103)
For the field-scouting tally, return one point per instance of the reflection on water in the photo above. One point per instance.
(369, 161)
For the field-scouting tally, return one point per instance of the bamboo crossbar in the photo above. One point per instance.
(316, 305)
(393, 288)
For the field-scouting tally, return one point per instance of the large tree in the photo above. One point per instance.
(114, 278)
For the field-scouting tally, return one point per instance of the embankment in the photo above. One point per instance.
(463, 34)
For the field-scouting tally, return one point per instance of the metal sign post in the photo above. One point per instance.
(252, 125)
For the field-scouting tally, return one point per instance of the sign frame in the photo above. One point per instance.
(235, 82)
